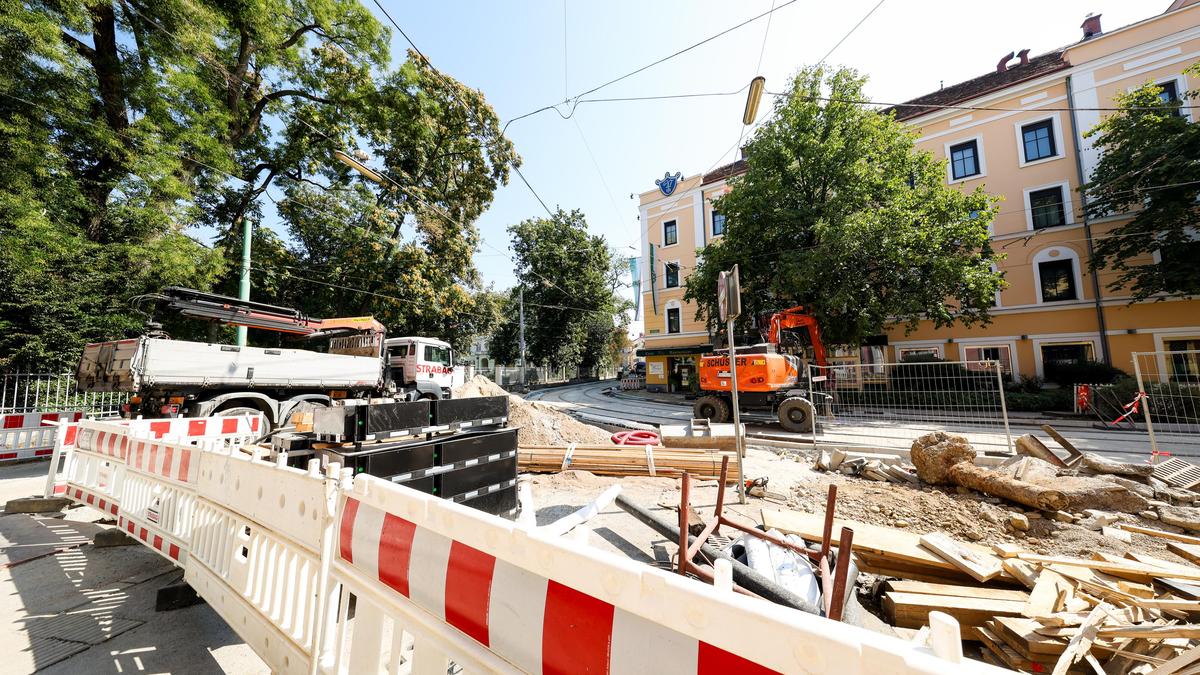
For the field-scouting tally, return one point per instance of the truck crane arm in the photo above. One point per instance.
(224, 309)
(797, 317)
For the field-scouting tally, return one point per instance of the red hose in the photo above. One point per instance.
(638, 437)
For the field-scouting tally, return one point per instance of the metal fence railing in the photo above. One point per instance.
(534, 376)
(889, 405)
(1168, 388)
(53, 392)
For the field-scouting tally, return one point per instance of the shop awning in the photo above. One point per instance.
(676, 351)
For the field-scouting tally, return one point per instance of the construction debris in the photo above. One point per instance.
(943, 458)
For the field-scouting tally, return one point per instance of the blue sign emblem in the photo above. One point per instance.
(668, 183)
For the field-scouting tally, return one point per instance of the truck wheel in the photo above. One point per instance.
(240, 410)
(711, 408)
(795, 415)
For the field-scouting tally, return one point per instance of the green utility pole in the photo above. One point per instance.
(244, 287)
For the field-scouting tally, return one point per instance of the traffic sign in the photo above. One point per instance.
(729, 294)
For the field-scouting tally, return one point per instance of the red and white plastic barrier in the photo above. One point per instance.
(284, 554)
(30, 435)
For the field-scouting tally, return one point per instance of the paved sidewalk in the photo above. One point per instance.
(69, 607)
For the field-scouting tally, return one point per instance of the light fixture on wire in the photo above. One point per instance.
(753, 97)
(357, 166)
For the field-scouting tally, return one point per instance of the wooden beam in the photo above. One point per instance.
(981, 566)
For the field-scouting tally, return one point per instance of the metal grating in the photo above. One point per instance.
(1178, 473)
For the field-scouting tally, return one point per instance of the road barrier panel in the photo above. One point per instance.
(30, 435)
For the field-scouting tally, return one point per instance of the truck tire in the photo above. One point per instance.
(712, 408)
(795, 415)
(239, 410)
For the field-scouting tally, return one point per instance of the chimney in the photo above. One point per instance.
(1003, 64)
(1091, 26)
(1024, 56)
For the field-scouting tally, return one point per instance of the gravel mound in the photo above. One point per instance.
(539, 423)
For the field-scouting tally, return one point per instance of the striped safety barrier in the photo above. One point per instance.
(31, 435)
(335, 573)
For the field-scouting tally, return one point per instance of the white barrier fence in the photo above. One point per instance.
(30, 435)
(334, 573)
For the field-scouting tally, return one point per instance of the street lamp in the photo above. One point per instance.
(753, 97)
(357, 166)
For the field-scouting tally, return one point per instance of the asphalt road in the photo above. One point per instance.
(589, 399)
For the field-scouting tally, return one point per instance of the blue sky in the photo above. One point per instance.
(525, 55)
(516, 54)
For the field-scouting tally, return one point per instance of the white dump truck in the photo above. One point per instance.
(196, 379)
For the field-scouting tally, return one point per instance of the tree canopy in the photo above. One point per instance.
(837, 211)
(573, 313)
(1148, 168)
(132, 128)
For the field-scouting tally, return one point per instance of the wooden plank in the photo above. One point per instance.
(1007, 550)
(1011, 657)
(911, 610)
(1161, 534)
(1189, 552)
(1024, 572)
(879, 566)
(956, 591)
(1045, 596)
(1082, 642)
(980, 565)
(1166, 565)
(1021, 634)
(885, 542)
(1189, 631)
(1129, 570)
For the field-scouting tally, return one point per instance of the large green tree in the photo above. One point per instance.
(1149, 168)
(571, 281)
(838, 212)
(129, 124)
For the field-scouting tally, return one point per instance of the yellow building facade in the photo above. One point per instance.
(1018, 131)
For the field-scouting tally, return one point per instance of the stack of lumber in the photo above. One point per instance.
(627, 460)
(1066, 614)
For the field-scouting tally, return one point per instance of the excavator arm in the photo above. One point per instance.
(796, 317)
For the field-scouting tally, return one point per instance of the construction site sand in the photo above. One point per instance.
(538, 423)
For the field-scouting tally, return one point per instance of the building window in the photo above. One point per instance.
(1046, 207)
(672, 275)
(1184, 364)
(1001, 354)
(919, 353)
(718, 224)
(1038, 139)
(672, 319)
(670, 233)
(1170, 95)
(1058, 356)
(964, 160)
(1057, 279)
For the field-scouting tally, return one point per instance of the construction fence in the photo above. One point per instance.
(1168, 395)
(506, 376)
(54, 392)
(322, 571)
(889, 405)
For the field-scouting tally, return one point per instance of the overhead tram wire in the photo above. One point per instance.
(647, 66)
(465, 107)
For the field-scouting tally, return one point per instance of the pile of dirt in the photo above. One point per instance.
(539, 423)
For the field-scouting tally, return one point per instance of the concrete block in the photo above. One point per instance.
(36, 504)
(113, 537)
(176, 596)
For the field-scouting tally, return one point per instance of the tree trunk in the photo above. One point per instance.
(998, 485)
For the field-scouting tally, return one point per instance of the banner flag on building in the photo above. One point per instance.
(653, 281)
(637, 288)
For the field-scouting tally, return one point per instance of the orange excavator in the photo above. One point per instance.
(766, 379)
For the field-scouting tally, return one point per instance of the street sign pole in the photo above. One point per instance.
(729, 303)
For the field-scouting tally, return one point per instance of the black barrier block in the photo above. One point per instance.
(474, 444)
(501, 503)
(371, 420)
(478, 476)
(455, 410)
(176, 596)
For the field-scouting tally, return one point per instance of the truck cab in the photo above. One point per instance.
(422, 365)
